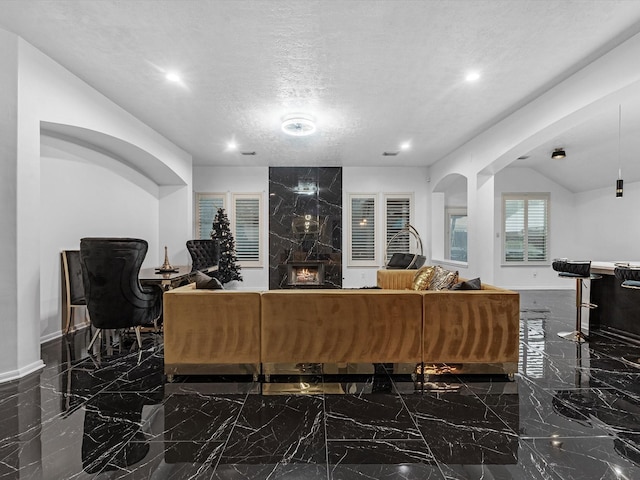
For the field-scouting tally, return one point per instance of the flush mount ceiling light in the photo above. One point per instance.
(298, 125)
(558, 154)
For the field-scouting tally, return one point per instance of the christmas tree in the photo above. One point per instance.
(228, 269)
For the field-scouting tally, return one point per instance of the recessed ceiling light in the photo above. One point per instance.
(298, 125)
(232, 145)
(173, 77)
(472, 77)
(405, 146)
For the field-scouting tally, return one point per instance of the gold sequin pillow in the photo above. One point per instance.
(422, 278)
(443, 279)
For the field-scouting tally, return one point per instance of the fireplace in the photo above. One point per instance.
(305, 227)
(305, 273)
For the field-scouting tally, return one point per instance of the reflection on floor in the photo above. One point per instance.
(572, 413)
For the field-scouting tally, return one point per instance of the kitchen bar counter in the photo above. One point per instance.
(618, 311)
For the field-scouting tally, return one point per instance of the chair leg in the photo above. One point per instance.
(98, 333)
(137, 329)
(576, 335)
(69, 318)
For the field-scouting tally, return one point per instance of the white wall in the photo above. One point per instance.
(596, 88)
(383, 180)
(354, 179)
(230, 180)
(39, 92)
(9, 291)
(562, 241)
(84, 193)
(608, 228)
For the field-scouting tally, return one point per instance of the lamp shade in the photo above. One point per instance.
(558, 153)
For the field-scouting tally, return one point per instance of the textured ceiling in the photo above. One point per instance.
(373, 73)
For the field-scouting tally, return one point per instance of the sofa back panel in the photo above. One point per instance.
(211, 326)
(353, 326)
(472, 326)
(395, 279)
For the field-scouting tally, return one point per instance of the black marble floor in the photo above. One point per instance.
(573, 412)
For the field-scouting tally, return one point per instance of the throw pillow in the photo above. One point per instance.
(207, 282)
(473, 284)
(443, 279)
(422, 278)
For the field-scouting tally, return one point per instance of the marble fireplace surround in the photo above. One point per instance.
(305, 227)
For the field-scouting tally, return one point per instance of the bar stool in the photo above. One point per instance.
(630, 277)
(580, 271)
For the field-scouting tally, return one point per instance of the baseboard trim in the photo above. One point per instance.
(21, 372)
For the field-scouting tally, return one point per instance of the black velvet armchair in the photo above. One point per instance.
(204, 253)
(115, 298)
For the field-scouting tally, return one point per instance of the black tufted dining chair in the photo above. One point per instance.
(115, 298)
(204, 253)
(72, 288)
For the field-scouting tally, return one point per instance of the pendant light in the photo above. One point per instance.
(619, 181)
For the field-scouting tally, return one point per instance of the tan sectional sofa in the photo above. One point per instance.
(469, 331)
(465, 331)
(204, 329)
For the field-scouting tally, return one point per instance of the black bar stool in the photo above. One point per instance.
(630, 277)
(580, 271)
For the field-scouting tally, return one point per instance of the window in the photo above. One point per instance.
(397, 216)
(207, 205)
(246, 228)
(456, 234)
(362, 240)
(525, 228)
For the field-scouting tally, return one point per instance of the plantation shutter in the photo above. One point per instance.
(398, 215)
(526, 228)
(363, 228)
(247, 228)
(207, 205)
(537, 230)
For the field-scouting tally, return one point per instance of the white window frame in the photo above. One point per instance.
(196, 211)
(450, 212)
(234, 228)
(387, 236)
(372, 262)
(525, 197)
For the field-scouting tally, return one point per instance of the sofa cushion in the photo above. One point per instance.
(205, 281)
(423, 278)
(473, 284)
(443, 279)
